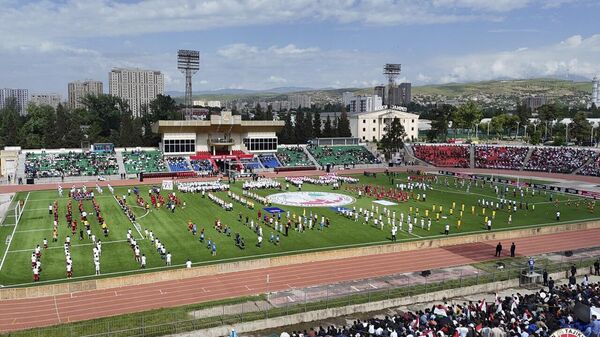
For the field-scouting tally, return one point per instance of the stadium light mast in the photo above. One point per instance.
(188, 62)
(392, 71)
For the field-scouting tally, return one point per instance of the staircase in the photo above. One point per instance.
(472, 156)
(588, 162)
(310, 156)
(410, 156)
(527, 156)
(120, 162)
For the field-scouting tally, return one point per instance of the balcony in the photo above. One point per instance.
(220, 141)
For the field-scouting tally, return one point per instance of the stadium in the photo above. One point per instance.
(220, 228)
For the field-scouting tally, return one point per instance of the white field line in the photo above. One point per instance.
(13, 233)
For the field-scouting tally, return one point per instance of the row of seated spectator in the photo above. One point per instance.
(202, 165)
(557, 159)
(443, 155)
(500, 157)
(143, 161)
(592, 168)
(293, 156)
(178, 164)
(537, 314)
(342, 155)
(251, 164)
(269, 160)
(44, 164)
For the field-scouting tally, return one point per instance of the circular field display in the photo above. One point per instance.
(311, 199)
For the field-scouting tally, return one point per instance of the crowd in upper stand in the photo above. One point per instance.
(342, 155)
(43, 165)
(544, 159)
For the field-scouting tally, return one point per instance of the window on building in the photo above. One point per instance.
(374, 121)
(364, 129)
(364, 121)
(179, 146)
(373, 129)
(261, 144)
(412, 129)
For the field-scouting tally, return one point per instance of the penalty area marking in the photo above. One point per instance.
(13, 233)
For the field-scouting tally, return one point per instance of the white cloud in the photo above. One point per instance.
(276, 79)
(89, 18)
(575, 55)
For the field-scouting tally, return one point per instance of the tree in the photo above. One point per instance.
(308, 123)
(468, 115)
(10, 122)
(580, 129)
(287, 134)
(523, 113)
(334, 127)
(317, 125)
(440, 117)
(393, 140)
(327, 132)
(343, 125)
(299, 128)
(269, 114)
(164, 108)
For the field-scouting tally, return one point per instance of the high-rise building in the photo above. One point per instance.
(381, 91)
(595, 93)
(534, 102)
(369, 103)
(46, 99)
(300, 101)
(404, 93)
(79, 89)
(136, 86)
(21, 96)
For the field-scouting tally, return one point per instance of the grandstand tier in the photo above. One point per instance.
(342, 155)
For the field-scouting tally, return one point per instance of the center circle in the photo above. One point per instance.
(311, 199)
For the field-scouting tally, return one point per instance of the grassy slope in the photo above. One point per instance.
(171, 229)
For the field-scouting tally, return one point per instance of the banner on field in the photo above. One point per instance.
(167, 185)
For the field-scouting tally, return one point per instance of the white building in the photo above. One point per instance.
(20, 95)
(300, 101)
(371, 126)
(136, 86)
(210, 104)
(79, 89)
(52, 100)
(365, 103)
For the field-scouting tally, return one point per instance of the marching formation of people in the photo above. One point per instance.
(202, 186)
(261, 184)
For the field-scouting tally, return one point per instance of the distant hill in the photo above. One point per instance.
(508, 88)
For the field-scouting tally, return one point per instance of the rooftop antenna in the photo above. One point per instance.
(392, 71)
(188, 62)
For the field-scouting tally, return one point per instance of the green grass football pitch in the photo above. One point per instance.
(171, 228)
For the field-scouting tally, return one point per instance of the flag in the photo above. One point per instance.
(483, 306)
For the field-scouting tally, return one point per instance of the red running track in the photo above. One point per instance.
(45, 311)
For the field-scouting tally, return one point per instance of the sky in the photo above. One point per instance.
(261, 44)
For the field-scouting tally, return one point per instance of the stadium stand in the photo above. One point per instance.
(592, 168)
(251, 164)
(342, 155)
(557, 159)
(293, 157)
(178, 164)
(500, 157)
(443, 155)
(143, 161)
(536, 314)
(202, 165)
(269, 160)
(45, 165)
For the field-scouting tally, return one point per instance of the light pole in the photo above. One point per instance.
(525, 135)
(592, 135)
(517, 136)
(567, 132)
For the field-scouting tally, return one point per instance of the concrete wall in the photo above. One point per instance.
(318, 315)
(182, 273)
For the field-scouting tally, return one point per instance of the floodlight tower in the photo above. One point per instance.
(188, 62)
(392, 71)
